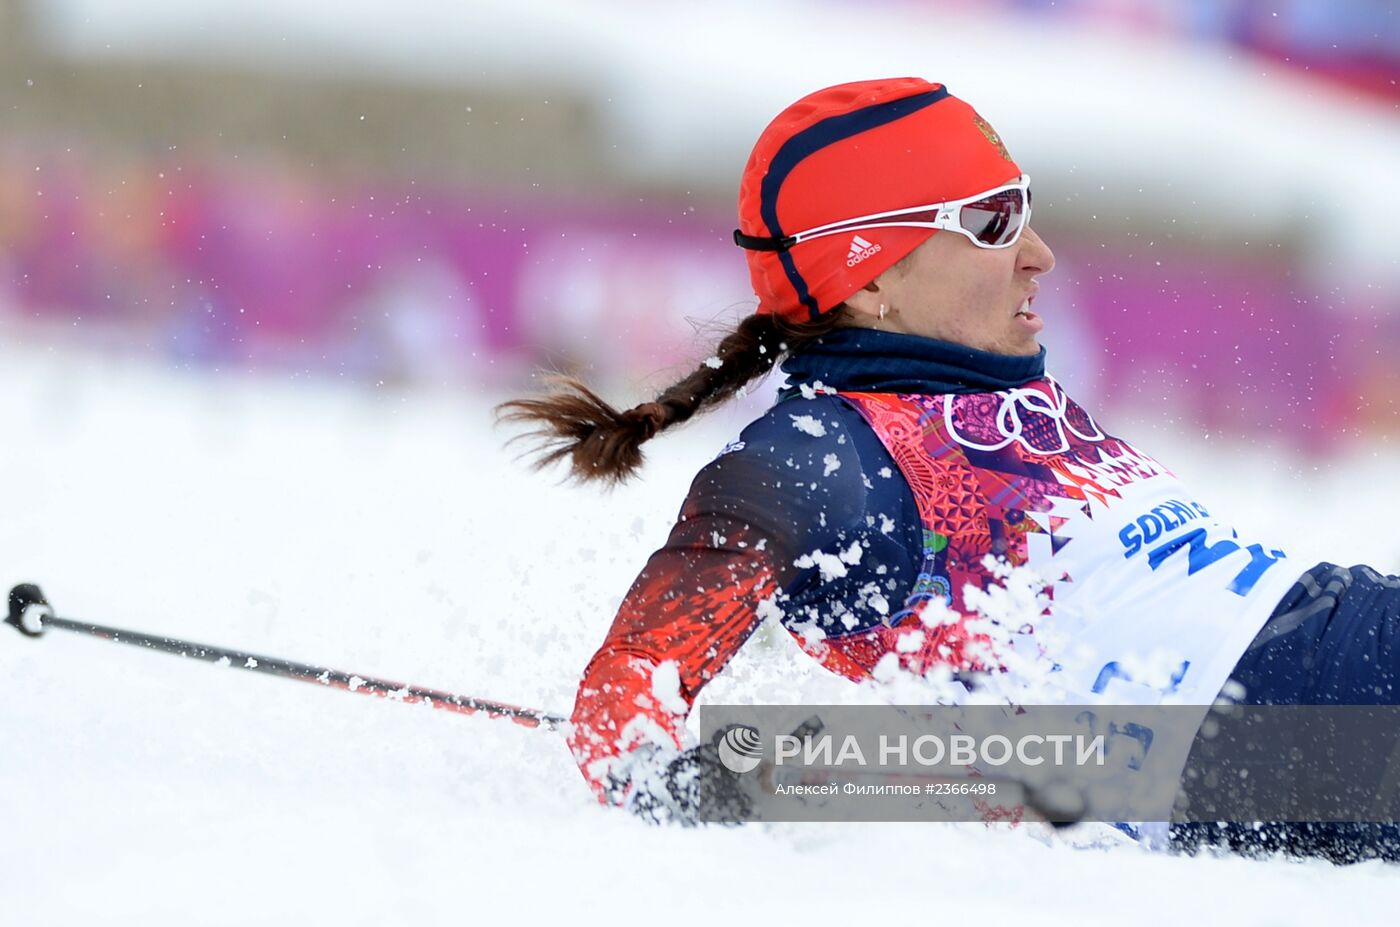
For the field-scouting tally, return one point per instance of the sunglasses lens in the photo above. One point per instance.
(996, 219)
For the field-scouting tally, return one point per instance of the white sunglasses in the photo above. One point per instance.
(994, 219)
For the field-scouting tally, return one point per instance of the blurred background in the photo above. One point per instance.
(452, 193)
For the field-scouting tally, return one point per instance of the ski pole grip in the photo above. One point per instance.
(28, 609)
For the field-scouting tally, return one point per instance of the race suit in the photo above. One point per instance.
(890, 468)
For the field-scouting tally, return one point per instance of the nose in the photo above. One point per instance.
(1034, 255)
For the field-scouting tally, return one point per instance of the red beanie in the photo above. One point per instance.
(851, 150)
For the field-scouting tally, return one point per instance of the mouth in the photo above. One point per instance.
(1026, 316)
(1025, 308)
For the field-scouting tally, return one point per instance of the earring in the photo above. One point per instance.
(882, 312)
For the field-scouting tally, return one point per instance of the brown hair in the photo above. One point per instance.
(604, 443)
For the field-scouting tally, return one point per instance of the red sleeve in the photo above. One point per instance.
(694, 604)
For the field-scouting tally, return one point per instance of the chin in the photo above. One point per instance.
(1021, 348)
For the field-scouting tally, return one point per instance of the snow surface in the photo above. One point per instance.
(389, 534)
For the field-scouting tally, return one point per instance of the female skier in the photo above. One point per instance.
(888, 238)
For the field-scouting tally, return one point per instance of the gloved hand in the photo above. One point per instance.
(688, 787)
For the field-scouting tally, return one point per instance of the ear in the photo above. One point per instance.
(864, 305)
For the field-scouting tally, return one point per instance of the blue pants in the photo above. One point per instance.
(1333, 640)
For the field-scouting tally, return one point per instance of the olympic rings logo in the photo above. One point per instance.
(1008, 419)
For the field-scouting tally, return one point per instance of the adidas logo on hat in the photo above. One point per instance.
(860, 250)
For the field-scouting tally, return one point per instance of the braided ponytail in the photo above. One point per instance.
(604, 443)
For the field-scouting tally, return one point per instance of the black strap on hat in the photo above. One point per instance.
(758, 243)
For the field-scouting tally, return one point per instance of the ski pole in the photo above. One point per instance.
(32, 616)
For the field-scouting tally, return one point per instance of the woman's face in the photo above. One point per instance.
(950, 289)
